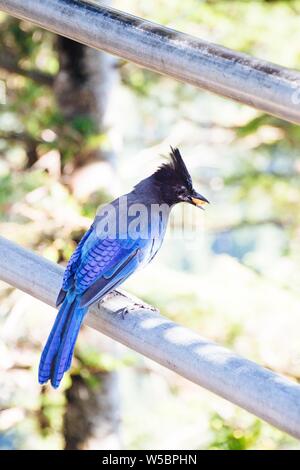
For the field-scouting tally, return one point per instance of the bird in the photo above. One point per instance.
(124, 236)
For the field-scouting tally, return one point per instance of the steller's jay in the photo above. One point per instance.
(117, 243)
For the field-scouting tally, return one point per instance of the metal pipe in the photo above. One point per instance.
(263, 85)
(269, 396)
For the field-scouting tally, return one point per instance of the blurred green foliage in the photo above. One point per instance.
(230, 437)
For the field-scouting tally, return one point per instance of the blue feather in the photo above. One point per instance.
(57, 354)
(65, 351)
(53, 342)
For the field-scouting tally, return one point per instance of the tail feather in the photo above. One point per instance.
(72, 347)
(53, 342)
(57, 354)
(65, 352)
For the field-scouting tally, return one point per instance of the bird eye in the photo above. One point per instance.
(181, 192)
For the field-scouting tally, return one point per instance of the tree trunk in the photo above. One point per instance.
(83, 88)
(92, 416)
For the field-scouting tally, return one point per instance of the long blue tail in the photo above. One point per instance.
(57, 354)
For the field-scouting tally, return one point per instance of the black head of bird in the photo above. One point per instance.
(175, 183)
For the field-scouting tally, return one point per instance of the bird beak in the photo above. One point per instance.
(199, 200)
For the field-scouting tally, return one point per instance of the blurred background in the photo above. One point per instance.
(77, 128)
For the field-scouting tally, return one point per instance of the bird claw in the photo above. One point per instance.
(145, 307)
(150, 307)
(123, 312)
(136, 306)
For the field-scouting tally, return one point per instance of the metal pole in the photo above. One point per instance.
(268, 395)
(261, 84)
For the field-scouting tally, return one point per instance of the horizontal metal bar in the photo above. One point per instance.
(260, 391)
(261, 84)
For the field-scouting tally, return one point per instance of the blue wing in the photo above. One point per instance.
(107, 263)
(74, 260)
(70, 270)
(100, 264)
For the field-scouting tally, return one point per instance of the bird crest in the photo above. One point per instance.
(174, 171)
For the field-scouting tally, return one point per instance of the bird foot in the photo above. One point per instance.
(123, 312)
(148, 307)
(136, 306)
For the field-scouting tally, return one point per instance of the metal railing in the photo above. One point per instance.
(261, 84)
